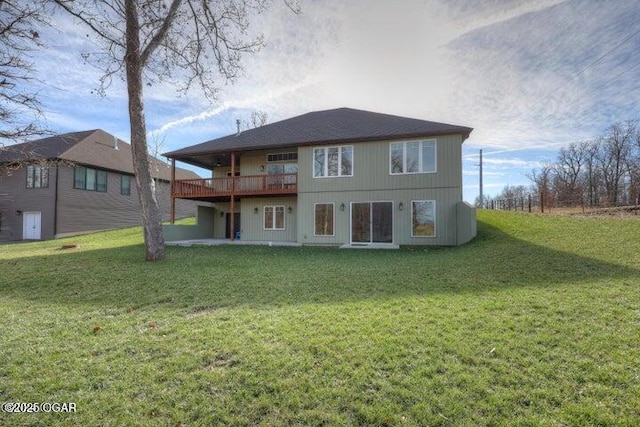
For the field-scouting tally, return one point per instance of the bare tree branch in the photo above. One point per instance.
(20, 110)
(186, 43)
(162, 32)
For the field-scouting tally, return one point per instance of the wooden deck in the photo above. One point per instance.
(250, 185)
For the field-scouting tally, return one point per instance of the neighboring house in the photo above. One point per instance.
(336, 177)
(75, 183)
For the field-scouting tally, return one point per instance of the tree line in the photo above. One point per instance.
(602, 172)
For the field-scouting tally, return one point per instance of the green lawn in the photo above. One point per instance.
(536, 322)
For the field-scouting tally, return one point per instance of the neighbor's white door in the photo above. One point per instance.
(31, 224)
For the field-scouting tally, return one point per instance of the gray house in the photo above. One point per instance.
(336, 177)
(75, 183)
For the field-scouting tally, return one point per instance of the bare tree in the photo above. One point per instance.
(613, 158)
(568, 170)
(542, 179)
(258, 118)
(591, 173)
(187, 42)
(20, 110)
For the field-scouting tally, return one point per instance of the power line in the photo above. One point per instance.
(551, 94)
(609, 52)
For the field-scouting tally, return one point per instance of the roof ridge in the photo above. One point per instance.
(338, 125)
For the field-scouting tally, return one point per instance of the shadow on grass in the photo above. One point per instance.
(206, 278)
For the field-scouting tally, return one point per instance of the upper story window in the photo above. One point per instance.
(125, 185)
(282, 157)
(410, 157)
(37, 177)
(282, 174)
(333, 161)
(89, 179)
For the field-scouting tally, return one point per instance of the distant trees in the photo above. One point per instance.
(512, 197)
(602, 172)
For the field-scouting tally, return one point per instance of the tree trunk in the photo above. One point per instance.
(150, 212)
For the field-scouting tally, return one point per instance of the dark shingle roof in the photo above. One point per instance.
(324, 127)
(90, 148)
(51, 147)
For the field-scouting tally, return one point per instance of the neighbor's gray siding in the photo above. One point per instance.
(14, 195)
(84, 211)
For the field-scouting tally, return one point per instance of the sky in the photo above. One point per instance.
(529, 76)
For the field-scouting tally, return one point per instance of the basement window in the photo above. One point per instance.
(274, 217)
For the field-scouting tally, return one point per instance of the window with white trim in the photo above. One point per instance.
(333, 161)
(409, 157)
(324, 219)
(423, 218)
(274, 217)
(282, 157)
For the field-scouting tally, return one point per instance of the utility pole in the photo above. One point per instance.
(481, 193)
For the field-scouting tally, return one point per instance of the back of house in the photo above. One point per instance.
(336, 177)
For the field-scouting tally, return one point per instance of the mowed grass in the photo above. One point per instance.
(536, 322)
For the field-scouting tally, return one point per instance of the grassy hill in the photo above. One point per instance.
(536, 322)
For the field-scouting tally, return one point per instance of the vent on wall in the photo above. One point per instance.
(282, 157)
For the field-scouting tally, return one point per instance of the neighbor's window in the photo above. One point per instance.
(37, 177)
(412, 157)
(333, 161)
(125, 185)
(274, 217)
(324, 219)
(89, 179)
(423, 218)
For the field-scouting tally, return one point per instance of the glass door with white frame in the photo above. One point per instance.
(371, 222)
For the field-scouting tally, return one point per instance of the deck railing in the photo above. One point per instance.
(250, 185)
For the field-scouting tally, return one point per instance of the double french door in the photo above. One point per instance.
(371, 222)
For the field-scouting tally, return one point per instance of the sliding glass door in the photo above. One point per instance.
(371, 222)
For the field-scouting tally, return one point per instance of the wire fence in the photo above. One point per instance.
(533, 204)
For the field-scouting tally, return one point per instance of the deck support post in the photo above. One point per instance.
(232, 226)
(173, 198)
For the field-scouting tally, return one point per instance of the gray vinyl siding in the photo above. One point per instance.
(251, 162)
(371, 169)
(14, 196)
(373, 182)
(252, 223)
(445, 215)
(84, 211)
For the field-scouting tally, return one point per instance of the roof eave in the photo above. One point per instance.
(179, 156)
